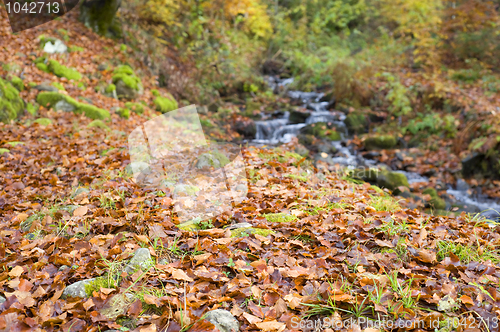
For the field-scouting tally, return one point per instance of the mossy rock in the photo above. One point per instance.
(11, 104)
(436, 202)
(3, 150)
(127, 84)
(98, 124)
(212, 159)
(110, 88)
(43, 67)
(246, 231)
(95, 284)
(392, 180)
(17, 83)
(100, 17)
(164, 105)
(380, 142)
(322, 130)
(49, 99)
(137, 108)
(280, 217)
(62, 71)
(356, 123)
(123, 113)
(43, 121)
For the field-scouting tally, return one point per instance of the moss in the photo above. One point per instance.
(164, 105)
(98, 283)
(110, 88)
(58, 86)
(321, 130)
(356, 122)
(17, 83)
(62, 71)
(31, 109)
(43, 121)
(93, 112)
(98, 124)
(100, 16)
(191, 225)
(123, 47)
(241, 232)
(14, 143)
(127, 76)
(45, 39)
(392, 180)
(2, 151)
(279, 217)
(43, 67)
(155, 93)
(380, 142)
(135, 107)
(49, 99)
(123, 113)
(436, 202)
(334, 136)
(11, 104)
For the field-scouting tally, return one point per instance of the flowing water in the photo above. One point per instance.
(275, 131)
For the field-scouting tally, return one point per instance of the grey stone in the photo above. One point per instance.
(202, 110)
(462, 185)
(56, 47)
(117, 305)
(63, 105)
(102, 66)
(2, 299)
(223, 320)
(124, 91)
(63, 267)
(141, 260)
(77, 289)
(214, 159)
(46, 87)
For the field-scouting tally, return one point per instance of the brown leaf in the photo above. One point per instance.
(180, 275)
(271, 326)
(88, 304)
(80, 211)
(16, 271)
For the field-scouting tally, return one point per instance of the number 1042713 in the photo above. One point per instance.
(33, 7)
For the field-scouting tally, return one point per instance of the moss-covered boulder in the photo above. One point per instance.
(127, 84)
(164, 104)
(62, 71)
(392, 180)
(375, 142)
(11, 104)
(137, 108)
(298, 116)
(123, 113)
(50, 99)
(17, 83)
(435, 202)
(356, 123)
(322, 130)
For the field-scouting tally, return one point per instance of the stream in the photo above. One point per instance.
(280, 130)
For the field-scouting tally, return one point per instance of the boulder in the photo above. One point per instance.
(63, 105)
(46, 87)
(99, 16)
(50, 99)
(127, 84)
(141, 261)
(376, 142)
(246, 127)
(435, 202)
(77, 289)
(11, 104)
(223, 320)
(392, 180)
(485, 165)
(356, 123)
(298, 116)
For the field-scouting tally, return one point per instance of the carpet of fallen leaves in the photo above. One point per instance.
(350, 251)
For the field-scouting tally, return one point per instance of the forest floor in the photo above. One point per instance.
(322, 250)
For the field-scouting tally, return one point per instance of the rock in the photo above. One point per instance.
(77, 289)
(11, 104)
(117, 305)
(141, 260)
(392, 180)
(272, 67)
(57, 47)
(46, 87)
(63, 267)
(324, 157)
(371, 155)
(482, 165)
(102, 67)
(245, 127)
(128, 85)
(298, 116)
(376, 142)
(63, 105)
(223, 320)
(322, 130)
(356, 123)
(100, 17)
(436, 202)
(214, 159)
(462, 185)
(202, 110)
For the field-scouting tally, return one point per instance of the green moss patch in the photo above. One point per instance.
(123, 113)
(11, 104)
(436, 202)
(98, 124)
(43, 121)
(17, 83)
(380, 142)
(98, 283)
(137, 108)
(126, 74)
(356, 122)
(49, 99)
(164, 105)
(246, 231)
(2, 151)
(110, 88)
(279, 217)
(62, 71)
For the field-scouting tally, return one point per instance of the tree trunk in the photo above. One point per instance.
(99, 15)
